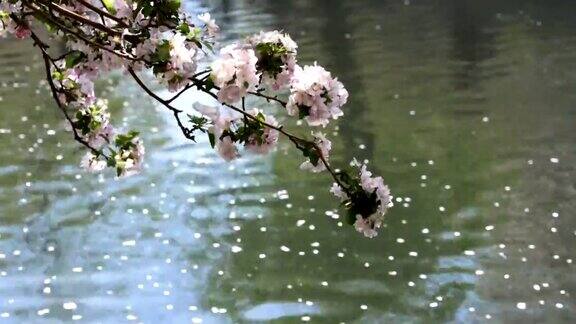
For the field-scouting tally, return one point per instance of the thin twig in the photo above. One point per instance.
(47, 63)
(78, 35)
(269, 98)
(103, 13)
(79, 18)
(185, 131)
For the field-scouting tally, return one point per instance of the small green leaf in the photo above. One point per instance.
(209, 46)
(163, 52)
(350, 217)
(212, 139)
(184, 28)
(174, 5)
(109, 4)
(73, 58)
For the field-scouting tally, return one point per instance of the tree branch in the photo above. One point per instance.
(186, 131)
(48, 61)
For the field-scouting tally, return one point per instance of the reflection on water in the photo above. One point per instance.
(466, 107)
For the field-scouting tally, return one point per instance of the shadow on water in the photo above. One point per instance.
(459, 104)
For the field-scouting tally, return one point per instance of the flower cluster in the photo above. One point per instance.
(315, 95)
(129, 155)
(228, 127)
(93, 122)
(234, 73)
(137, 35)
(211, 27)
(172, 56)
(75, 89)
(367, 199)
(7, 25)
(276, 54)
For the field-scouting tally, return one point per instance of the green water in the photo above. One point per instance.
(467, 108)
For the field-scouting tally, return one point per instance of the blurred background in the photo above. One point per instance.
(466, 107)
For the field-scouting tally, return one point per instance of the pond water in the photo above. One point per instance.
(467, 107)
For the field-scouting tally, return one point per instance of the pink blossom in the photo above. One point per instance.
(371, 184)
(268, 140)
(227, 149)
(367, 226)
(235, 73)
(102, 136)
(337, 191)
(230, 93)
(182, 55)
(222, 119)
(124, 9)
(130, 161)
(314, 89)
(22, 32)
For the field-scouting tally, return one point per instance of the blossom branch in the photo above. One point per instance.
(48, 62)
(260, 94)
(103, 13)
(166, 103)
(297, 141)
(76, 17)
(158, 36)
(53, 19)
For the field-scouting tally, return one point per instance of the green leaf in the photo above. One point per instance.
(212, 139)
(184, 28)
(57, 75)
(111, 162)
(271, 58)
(174, 5)
(163, 52)
(209, 83)
(309, 151)
(350, 217)
(109, 4)
(73, 58)
(124, 141)
(208, 45)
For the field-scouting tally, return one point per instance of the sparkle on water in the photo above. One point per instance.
(466, 107)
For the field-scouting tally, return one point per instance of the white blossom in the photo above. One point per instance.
(210, 23)
(92, 163)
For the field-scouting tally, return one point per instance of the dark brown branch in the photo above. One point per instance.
(269, 98)
(187, 87)
(78, 18)
(48, 61)
(103, 13)
(185, 131)
(84, 38)
(298, 141)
